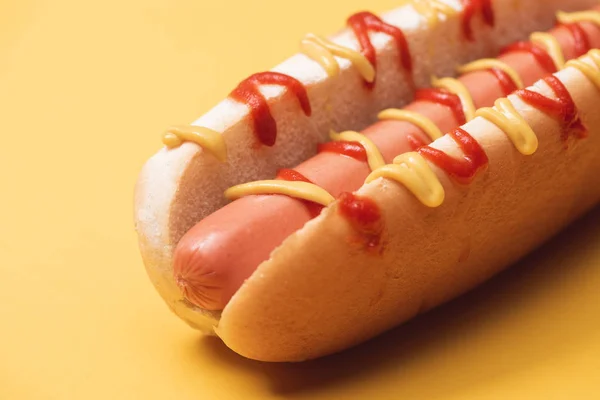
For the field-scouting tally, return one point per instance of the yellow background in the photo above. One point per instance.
(85, 90)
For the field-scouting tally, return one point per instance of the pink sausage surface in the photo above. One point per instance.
(214, 258)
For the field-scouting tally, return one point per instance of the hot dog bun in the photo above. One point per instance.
(319, 293)
(179, 187)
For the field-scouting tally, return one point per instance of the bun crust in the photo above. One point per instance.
(319, 293)
(179, 187)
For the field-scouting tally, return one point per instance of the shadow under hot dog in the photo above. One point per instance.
(487, 333)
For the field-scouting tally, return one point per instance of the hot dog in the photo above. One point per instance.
(161, 224)
(323, 290)
(215, 257)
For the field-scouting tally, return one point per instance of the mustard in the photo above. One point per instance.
(431, 10)
(413, 171)
(422, 122)
(488, 63)
(374, 157)
(549, 42)
(458, 88)
(505, 116)
(323, 51)
(590, 72)
(300, 190)
(579, 16)
(208, 139)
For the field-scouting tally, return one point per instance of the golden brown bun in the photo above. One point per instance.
(319, 294)
(179, 187)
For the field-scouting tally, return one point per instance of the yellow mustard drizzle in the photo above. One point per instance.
(374, 157)
(587, 70)
(488, 63)
(431, 10)
(422, 122)
(590, 72)
(594, 55)
(413, 171)
(455, 86)
(549, 42)
(507, 118)
(300, 190)
(323, 51)
(579, 16)
(208, 139)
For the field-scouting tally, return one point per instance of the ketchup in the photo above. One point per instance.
(364, 216)
(506, 83)
(470, 8)
(248, 92)
(345, 148)
(488, 12)
(580, 38)
(292, 175)
(465, 168)
(563, 108)
(540, 55)
(415, 142)
(363, 22)
(444, 98)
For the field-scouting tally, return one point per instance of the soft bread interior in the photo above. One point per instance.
(178, 187)
(319, 293)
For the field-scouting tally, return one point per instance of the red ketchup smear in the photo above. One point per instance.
(488, 12)
(291, 175)
(465, 168)
(364, 216)
(364, 22)
(349, 149)
(470, 8)
(506, 83)
(248, 92)
(415, 142)
(563, 108)
(580, 38)
(540, 55)
(444, 98)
